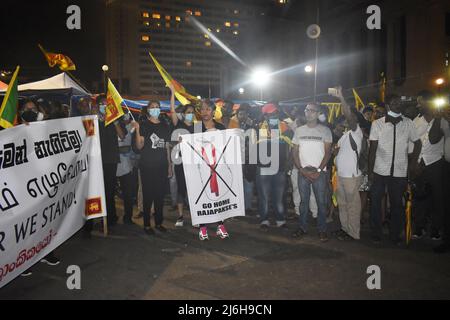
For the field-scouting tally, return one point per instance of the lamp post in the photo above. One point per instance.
(105, 69)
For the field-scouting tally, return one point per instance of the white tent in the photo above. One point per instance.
(60, 81)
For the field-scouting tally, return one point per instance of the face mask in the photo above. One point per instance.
(40, 116)
(274, 122)
(322, 118)
(102, 109)
(189, 117)
(394, 114)
(154, 113)
(29, 116)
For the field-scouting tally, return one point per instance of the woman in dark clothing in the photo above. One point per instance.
(152, 138)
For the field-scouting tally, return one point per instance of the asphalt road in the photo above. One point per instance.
(252, 264)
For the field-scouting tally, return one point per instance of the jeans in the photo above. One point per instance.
(296, 195)
(271, 186)
(248, 194)
(396, 189)
(319, 187)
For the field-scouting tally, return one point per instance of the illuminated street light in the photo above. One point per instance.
(308, 69)
(105, 68)
(261, 78)
(440, 81)
(440, 102)
(241, 90)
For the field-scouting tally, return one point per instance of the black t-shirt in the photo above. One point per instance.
(109, 143)
(157, 138)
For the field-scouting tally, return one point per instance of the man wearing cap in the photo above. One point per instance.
(274, 140)
(312, 151)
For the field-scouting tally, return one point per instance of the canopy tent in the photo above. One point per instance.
(60, 88)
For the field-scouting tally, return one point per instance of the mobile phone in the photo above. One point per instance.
(332, 91)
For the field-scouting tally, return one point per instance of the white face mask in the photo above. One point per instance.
(394, 115)
(322, 118)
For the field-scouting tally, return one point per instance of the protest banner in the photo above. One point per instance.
(51, 182)
(212, 163)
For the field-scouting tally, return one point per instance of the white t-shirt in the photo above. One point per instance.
(346, 159)
(430, 153)
(125, 166)
(311, 142)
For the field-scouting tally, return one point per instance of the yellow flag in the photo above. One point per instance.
(180, 92)
(359, 102)
(114, 108)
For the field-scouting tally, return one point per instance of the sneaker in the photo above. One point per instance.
(51, 260)
(281, 224)
(419, 234)
(26, 273)
(161, 228)
(222, 232)
(149, 231)
(323, 236)
(203, 234)
(179, 223)
(299, 234)
(435, 236)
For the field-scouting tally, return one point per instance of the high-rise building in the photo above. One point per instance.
(168, 31)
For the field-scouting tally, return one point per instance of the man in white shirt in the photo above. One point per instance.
(311, 152)
(388, 166)
(432, 130)
(349, 174)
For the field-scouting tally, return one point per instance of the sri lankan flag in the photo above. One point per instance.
(114, 108)
(63, 62)
(8, 110)
(358, 100)
(180, 92)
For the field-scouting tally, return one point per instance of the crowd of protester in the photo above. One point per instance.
(359, 165)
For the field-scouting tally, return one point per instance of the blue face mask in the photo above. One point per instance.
(274, 122)
(154, 113)
(189, 117)
(102, 109)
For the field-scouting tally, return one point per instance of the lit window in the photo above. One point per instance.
(146, 23)
(198, 13)
(206, 36)
(145, 15)
(217, 30)
(236, 11)
(145, 38)
(235, 32)
(209, 29)
(158, 24)
(208, 43)
(178, 19)
(189, 12)
(283, 1)
(167, 24)
(228, 24)
(156, 16)
(168, 18)
(236, 25)
(188, 64)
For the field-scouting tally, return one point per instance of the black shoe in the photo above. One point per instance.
(149, 231)
(442, 248)
(51, 260)
(341, 235)
(435, 236)
(323, 237)
(299, 234)
(419, 234)
(264, 227)
(160, 228)
(26, 273)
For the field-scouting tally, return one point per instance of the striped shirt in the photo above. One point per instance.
(392, 152)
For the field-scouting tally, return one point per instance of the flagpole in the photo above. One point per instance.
(77, 81)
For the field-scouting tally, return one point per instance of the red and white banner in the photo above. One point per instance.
(51, 182)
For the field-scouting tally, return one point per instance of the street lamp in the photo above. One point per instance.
(308, 69)
(440, 81)
(261, 78)
(105, 69)
(241, 90)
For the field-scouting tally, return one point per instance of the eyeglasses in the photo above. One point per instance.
(311, 111)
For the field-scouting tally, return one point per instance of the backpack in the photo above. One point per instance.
(362, 156)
